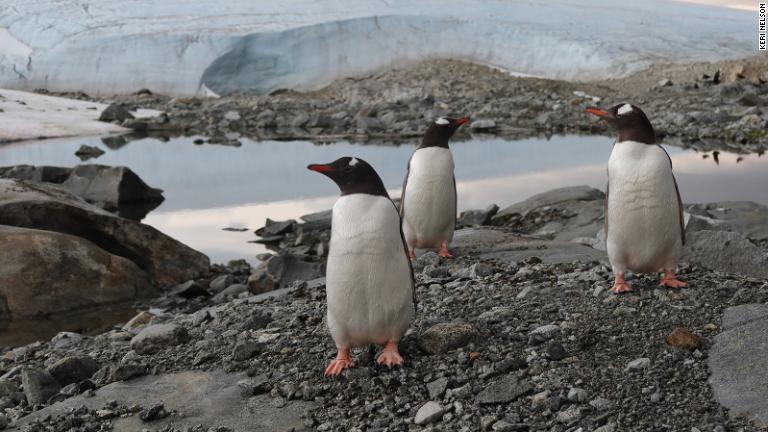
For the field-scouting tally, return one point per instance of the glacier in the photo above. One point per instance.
(181, 48)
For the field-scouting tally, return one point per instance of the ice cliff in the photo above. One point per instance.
(183, 48)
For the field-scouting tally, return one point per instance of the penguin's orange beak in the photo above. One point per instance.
(462, 120)
(321, 168)
(598, 112)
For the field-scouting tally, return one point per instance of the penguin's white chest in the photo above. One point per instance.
(642, 212)
(429, 200)
(368, 276)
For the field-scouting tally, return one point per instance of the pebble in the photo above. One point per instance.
(428, 413)
(569, 415)
(504, 390)
(437, 388)
(445, 337)
(543, 334)
(683, 338)
(638, 364)
(577, 395)
(556, 351)
(157, 337)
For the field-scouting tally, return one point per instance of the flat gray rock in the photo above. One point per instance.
(555, 196)
(504, 390)
(739, 378)
(742, 314)
(495, 244)
(207, 398)
(725, 251)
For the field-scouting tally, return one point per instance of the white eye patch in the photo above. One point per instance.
(626, 108)
(441, 121)
(353, 162)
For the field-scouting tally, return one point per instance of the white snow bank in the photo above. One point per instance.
(26, 115)
(180, 47)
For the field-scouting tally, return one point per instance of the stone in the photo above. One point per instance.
(219, 283)
(108, 187)
(639, 364)
(577, 395)
(138, 322)
(281, 271)
(505, 390)
(3, 421)
(188, 290)
(274, 228)
(437, 388)
(445, 337)
(86, 152)
(73, 369)
(683, 338)
(542, 334)
(154, 412)
(569, 415)
(245, 350)
(601, 404)
(165, 261)
(666, 82)
(115, 112)
(11, 391)
(555, 351)
(231, 292)
(479, 270)
(483, 125)
(469, 218)
(430, 412)
(738, 377)
(37, 268)
(728, 252)
(157, 337)
(39, 385)
(552, 197)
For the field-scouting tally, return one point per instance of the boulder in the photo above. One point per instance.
(281, 271)
(109, 187)
(113, 188)
(157, 337)
(48, 207)
(44, 272)
(73, 369)
(726, 251)
(736, 360)
(115, 112)
(555, 196)
(39, 385)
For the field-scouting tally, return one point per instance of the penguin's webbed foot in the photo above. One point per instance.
(444, 252)
(669, 280)
(341, 362)
(620, 285)
(390, 356)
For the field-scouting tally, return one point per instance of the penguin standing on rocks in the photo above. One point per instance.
(644, 228)
(369, 279)
(428, 205)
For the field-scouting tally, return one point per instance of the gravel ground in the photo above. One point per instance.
(495, 346)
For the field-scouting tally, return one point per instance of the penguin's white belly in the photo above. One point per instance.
(643, 212)
(368, 276)
(430, 198)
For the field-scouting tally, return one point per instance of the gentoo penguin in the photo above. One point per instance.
(428, 205)
(369, 279)
(643, 211)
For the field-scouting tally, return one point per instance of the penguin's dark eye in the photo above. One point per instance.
(347, 168)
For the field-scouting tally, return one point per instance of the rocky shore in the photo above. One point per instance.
(519, 332)
(718, 106)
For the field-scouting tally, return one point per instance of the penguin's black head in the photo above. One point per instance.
(352, 175)
(441, 130)
(629, 121)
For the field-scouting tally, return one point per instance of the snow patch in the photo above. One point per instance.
(9, 45)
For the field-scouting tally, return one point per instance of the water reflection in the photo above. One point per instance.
(211, 187)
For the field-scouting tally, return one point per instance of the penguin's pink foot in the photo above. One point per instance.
(341, 362)
(669, 280)
(390, 356)
(444, 252)
(620, 285)
(411, 254)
